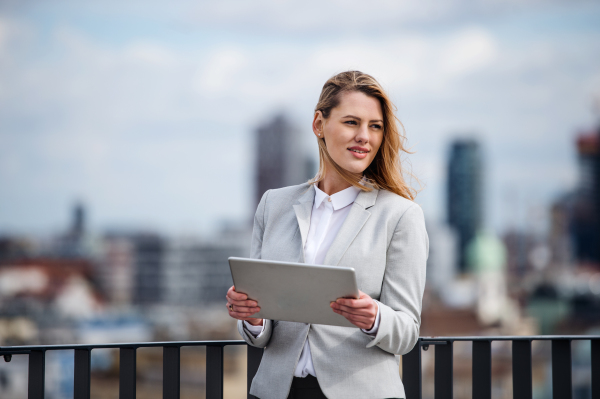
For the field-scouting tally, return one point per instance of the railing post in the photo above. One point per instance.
(595, 368)
(254, 357)
(444, 371)
(562, 387)
(521, 370)
(214, 372)
(411, 372)
(82, 374)
(127, 368)
(37, 375)
(482, 370)
(171, 368)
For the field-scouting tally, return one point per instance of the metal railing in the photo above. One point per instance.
(127, 366)
(562, 386)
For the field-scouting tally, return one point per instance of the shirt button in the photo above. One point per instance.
(329, 199)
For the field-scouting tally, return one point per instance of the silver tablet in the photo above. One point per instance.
(294, 291)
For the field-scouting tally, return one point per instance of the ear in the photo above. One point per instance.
(317, 125)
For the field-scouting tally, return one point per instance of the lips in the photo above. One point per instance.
(358, 152)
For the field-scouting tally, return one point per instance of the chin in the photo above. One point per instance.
(354, 168)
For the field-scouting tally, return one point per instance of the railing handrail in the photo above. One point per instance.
(510, 338)
(21, 349)
(561, 360)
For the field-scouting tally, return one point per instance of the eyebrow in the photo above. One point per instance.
(356, 117)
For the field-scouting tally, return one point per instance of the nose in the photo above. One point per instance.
(362, 135)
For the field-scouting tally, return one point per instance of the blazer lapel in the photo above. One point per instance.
(303, 211)
(352, 225)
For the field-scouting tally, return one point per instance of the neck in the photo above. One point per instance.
(333, 183)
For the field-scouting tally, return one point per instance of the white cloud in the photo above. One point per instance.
(151, 53)
(468, 51)
(220, 73)
(136, 124)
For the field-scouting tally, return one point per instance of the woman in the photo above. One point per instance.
(357, 212)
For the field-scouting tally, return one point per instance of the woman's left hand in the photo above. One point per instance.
(361, 312)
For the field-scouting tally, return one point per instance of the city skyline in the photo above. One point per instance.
(137, 137)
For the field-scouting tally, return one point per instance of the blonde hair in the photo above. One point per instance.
(385, 172)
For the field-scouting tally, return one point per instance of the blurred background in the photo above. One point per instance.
(137, 137)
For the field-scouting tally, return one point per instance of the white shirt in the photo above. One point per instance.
(328, 215)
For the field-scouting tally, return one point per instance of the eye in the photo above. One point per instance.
(350, 122)
(376, 126)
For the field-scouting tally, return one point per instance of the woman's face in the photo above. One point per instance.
(353, 132)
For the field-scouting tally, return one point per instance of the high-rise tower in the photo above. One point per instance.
(586, 210)
(281, 160)
(465, 205)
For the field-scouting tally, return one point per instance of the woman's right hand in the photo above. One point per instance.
(241, 308)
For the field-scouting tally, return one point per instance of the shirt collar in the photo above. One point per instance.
(339, 200)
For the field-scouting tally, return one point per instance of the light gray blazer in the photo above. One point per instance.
(384, 239)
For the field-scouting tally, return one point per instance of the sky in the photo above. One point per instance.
(146, 111)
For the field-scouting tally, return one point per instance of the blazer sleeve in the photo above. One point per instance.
(255, 252)
(403, 284)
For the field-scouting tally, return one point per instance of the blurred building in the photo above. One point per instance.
(78, 227)
(72, 244)
(560, 241)
(443, 256)
(464, 201)
(586, 230)
(147, 269)
(198, 273)
(116, 270)
(575, 215)
(12, 248)
(39, 297)
(486, 257)
(149, 250)
(518, 246)
(527, 252)
(131, 268)
(281, 160)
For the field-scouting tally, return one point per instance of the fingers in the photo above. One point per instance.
(248, 306)
(239, 299)
(357, 320)
(363, 302)
(242, 309)
(361, 312)
(367, 311)
(240, 313)
(239, 306)
(243, 304)
(236, 296)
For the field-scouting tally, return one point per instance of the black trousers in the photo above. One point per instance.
(306, 388)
